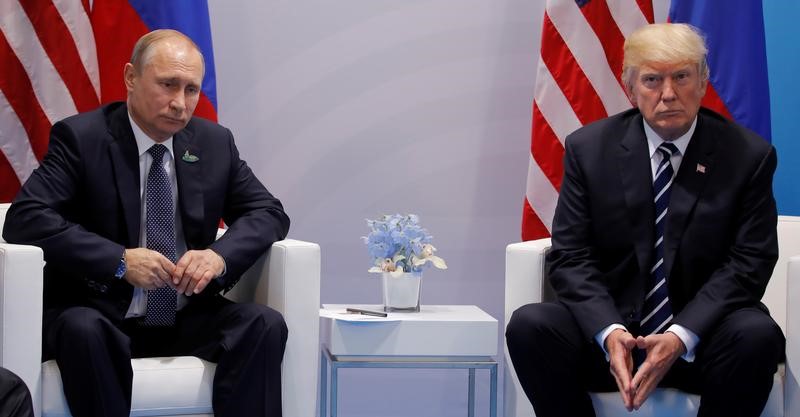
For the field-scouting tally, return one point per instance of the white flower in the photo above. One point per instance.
(428, 256)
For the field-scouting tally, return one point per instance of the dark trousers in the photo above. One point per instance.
(557, 366)
(15, 399)
(246, 341)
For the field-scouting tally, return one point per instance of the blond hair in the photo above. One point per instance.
(142, 51)
(664, 43)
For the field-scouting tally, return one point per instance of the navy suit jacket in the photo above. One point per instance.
(720, 235)
(82, 207)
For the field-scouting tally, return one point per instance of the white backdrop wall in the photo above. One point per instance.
(354, 108)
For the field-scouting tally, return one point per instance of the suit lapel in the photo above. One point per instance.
(634, 166)
(695, 170)
(188, 167)
(125, 162)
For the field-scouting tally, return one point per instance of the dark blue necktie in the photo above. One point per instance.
(657, 311)
(161, 302)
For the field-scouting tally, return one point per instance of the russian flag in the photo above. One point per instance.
(118, 24)
(737, 58)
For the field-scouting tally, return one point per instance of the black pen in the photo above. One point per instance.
(366, 312)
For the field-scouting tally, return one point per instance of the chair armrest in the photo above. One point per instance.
(791, 393)
(524, 285)
(21, 287)
(524, 273)
(287, 278)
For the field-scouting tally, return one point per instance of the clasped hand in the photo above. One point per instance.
(149, 269)
(662, 351)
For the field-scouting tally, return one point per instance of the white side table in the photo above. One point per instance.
(445, 337)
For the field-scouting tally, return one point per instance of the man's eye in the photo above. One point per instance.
(651, 80)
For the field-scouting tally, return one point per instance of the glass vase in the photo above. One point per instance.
(401, 293)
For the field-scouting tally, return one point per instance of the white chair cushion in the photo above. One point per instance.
(674, 403)
(169, 386)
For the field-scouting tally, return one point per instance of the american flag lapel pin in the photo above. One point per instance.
(700, 168)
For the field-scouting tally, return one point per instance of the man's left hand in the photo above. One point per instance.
(195, 269)
(662, 351)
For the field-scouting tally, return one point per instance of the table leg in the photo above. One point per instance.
(323, 385)
(471, 395)
(334, 388)
(493, 391)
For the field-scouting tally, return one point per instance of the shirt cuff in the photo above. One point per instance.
(689, 339)
(603, 334)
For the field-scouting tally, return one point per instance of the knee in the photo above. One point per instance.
(749, 338)
(527, 323)
(80, 323)
(264, 318)
(759, 339)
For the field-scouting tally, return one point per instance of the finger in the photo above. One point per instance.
(644, 391)
(622, 376)
(629, 342)
(165, 276)
(197, 285)
(191, 286)
(207, 277)
(641, 342)
(626, 398)
(641, 374)
(193, 268)
(195, 272)
(183, 283)
(164, 261)
(180, 268)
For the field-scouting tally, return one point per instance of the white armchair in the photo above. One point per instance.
(286, 278)
(525, 284)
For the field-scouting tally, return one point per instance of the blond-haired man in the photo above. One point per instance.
(664, 239)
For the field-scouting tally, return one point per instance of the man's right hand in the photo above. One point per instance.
(619, 345)
(147, 268)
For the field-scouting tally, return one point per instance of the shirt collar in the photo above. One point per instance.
(654, 141)
(143, 142)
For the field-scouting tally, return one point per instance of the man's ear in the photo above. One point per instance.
(629, 93)
(703, 87)
(129, 75)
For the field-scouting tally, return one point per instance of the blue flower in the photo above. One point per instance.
(397, 244)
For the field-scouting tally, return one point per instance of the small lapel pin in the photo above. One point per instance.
(701, 168)
(187, 157)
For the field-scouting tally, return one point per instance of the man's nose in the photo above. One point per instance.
(178, 102)
(667, 90)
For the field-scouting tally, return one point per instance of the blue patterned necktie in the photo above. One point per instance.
(657, 311)
(161, 302)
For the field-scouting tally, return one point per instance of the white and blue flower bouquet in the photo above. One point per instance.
(398, 244)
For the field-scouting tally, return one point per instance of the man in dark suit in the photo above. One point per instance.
(664, 239)
(125, 206)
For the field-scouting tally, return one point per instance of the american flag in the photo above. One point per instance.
(49, 71)
(62, 57)
(577, 82)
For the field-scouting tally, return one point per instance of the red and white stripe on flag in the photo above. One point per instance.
(49, 71)
(577, 82)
